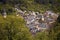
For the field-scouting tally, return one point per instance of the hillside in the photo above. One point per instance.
(34, 5)
(29, 19)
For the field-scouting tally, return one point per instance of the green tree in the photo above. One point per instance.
(13, 28)
(54, 33)
(42, 36)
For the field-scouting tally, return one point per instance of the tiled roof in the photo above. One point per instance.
(32, 22)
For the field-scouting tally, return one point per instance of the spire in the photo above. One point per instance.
(4, 13)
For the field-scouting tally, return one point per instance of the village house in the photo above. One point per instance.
(36, 21)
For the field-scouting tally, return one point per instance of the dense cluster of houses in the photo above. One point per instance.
(36, 21)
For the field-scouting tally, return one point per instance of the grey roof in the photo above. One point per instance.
(43, 25)
(32, 20)
(39, 16)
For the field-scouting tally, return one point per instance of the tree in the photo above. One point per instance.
(54, 33)
(13, 28)
(58, 19)
(42, 36)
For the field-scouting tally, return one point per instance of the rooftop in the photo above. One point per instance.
(31, 19)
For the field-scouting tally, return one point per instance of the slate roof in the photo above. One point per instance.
(32, 18)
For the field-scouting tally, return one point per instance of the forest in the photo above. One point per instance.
(14, 28)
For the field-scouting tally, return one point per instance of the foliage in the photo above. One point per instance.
(13, 28)
(42, 36)
(54, 33)
(34, 5)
